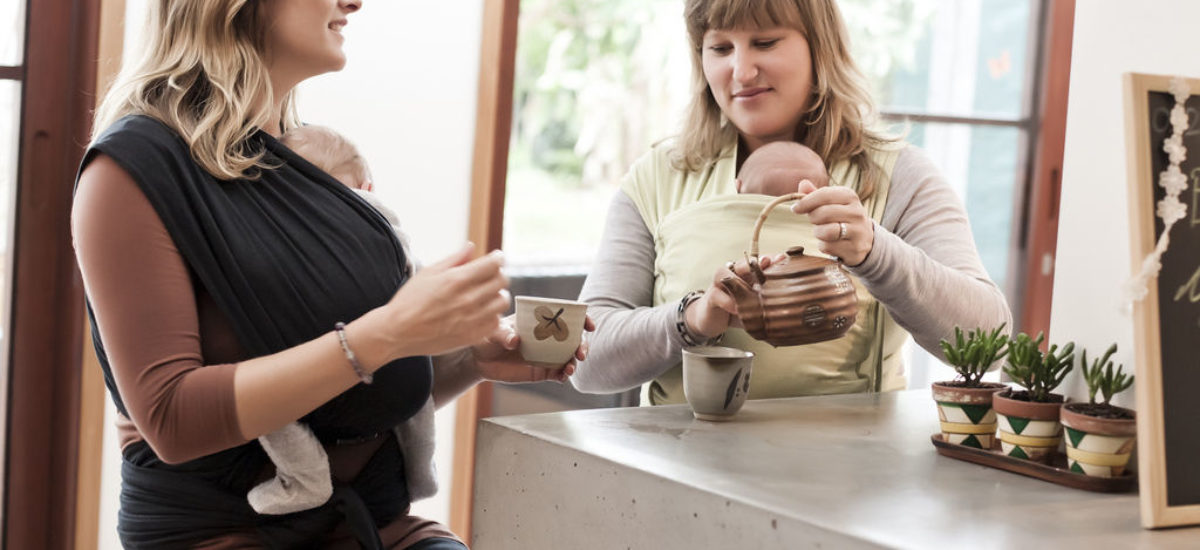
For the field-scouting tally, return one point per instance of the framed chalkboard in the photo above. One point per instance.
(1167, 321)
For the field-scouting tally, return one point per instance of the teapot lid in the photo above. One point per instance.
(798, 262)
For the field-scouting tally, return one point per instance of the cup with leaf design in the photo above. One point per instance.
(716, 380)
(550, 329)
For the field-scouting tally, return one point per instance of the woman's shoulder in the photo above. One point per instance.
(139, 131)
(913, 164)
(656, 158)
(144, 147)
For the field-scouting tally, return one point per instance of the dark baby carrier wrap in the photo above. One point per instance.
(284, 257)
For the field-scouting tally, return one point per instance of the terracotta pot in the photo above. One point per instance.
(1098, 446)
(966, 413)
(1028, 430)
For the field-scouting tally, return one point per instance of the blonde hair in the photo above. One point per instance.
(329, 151)
(837, 124)
(203, 74)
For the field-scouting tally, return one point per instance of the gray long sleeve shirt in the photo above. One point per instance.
(923, 268)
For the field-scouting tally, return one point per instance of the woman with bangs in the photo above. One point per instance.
(766, 71)
(234, 288)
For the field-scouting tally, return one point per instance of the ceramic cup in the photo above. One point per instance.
(716, 380)
(550, 329)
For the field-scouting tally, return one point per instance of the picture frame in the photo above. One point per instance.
(1167, 320)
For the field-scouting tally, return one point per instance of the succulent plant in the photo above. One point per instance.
(1039, 373)
(973, 354)
(1099, 376)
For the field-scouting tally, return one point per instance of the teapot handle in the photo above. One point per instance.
(752, 259)
(762, 217)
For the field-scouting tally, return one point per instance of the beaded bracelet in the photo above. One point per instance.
(362, 373)
(681, 324)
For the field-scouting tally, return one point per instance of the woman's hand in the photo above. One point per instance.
(497, 358)
(451, 304)
(842, 224)
(716, 310)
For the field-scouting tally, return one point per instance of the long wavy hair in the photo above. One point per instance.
(839, 122)
(203, 73)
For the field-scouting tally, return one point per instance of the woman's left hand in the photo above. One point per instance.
(842, 224)
(498, 359)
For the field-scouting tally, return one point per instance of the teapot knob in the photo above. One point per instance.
(795, 251)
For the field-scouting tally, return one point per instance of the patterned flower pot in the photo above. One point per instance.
(966, 413)
(1098, 446)
(1028, 429)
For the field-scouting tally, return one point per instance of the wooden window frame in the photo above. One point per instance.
(42, 448)
(493, 123)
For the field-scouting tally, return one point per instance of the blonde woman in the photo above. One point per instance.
(767, 71)
(234, 288)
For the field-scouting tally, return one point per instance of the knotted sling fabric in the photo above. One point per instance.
(284, 257)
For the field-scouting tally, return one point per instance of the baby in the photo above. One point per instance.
(777, 168)
(302, 479)
(336, 156)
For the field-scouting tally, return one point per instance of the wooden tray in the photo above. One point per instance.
(1055, 472)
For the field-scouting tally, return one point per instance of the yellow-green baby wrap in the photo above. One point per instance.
(699, 223)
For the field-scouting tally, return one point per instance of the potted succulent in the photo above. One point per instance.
(1028, 419)
(1100, 436)
(965, 403)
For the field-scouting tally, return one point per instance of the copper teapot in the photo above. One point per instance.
(799, 300)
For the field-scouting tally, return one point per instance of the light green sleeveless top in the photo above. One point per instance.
(699, 222)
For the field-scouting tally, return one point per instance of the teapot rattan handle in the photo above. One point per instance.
(762, 217)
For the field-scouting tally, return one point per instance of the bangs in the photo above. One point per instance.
(742, 14)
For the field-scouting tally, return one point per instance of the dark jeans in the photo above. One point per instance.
(438, 543)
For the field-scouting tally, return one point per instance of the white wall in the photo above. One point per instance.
(407, 99)
(1111, 37)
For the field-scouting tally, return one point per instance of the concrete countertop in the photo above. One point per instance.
(852, 471)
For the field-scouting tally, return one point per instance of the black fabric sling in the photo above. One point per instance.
(284, 257)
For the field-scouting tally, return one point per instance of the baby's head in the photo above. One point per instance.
(331, 152)
(778, 167)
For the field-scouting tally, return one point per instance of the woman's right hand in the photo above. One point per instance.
(716, 310)
(451, 304)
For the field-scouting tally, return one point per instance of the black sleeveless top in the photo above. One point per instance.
(284, 257)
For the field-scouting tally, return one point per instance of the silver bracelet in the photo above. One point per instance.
(366, 377)
(681, 323)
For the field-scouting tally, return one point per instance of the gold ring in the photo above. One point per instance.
(841, 231)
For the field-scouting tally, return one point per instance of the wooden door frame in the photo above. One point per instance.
(111, 44)
(1046, 181)
(493, 123)
(47, 337)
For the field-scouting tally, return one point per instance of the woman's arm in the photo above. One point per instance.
(145, 310)
(634, 342)
(453, 374)
(923, 264)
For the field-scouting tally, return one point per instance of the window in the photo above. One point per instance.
(12, 54)
(598, 81)
(958, 73)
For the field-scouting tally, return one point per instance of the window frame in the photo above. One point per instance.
(43, 403)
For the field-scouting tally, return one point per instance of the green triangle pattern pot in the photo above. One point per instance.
(1098, 446)
(1028, 429)
(1029, 439)
(1098, 455)
(970, 425)
(966, 414)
